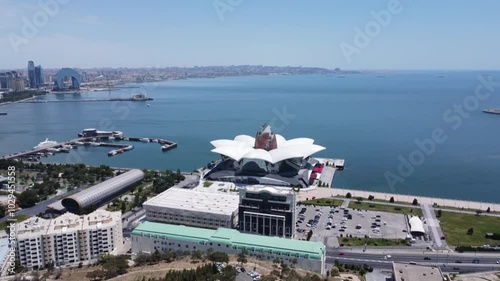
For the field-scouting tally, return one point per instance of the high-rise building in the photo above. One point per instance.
(39, 79)
(11, 81)
(31, 74)
(68, 239)
(267, 211)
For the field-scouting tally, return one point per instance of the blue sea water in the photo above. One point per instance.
(368, 121)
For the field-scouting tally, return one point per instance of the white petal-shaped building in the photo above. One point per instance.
(268, 158)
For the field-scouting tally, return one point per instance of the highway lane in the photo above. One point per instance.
(41, 207)
(386, 264)
(434, 257)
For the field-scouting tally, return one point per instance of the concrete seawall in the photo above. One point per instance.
(329, 192)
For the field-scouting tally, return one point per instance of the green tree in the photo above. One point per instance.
(196, 256)
(439, 213)
(123, 207)
(415, 202)
(242, 257)
(348, 195)
(470, 231)
(28, 198)
(335, 271)
(371, 197)
(391, 200)
(228, 273)
(488, 210)
(219, 257)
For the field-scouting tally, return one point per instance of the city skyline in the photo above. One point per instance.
(392, 35)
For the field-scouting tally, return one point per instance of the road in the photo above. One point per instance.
(433, 225)
(447, 261)
(42, 206)
(190, 181)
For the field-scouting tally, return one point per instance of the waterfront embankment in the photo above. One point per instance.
(332, 192)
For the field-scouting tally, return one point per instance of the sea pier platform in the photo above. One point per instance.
(331, 166)
(92, 141)
(35, 151)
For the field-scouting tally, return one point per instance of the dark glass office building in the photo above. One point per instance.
(267, 211)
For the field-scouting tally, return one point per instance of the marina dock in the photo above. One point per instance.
(91, 141)
(39, 150)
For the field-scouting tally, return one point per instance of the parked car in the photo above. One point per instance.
(427, 258)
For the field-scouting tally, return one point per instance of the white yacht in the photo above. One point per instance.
(95, 144)
(144, 140)
(44, 144)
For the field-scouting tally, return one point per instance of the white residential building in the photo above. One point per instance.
(68, 239)
(194, 208)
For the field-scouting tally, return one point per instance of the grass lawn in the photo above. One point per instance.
(19, 218)
(356, 241)
(464, 209)
(323, 202)
(410, 210)
(455, 228)
(207, 184)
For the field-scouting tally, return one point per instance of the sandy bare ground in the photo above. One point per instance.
(159, 270)
(489, 276)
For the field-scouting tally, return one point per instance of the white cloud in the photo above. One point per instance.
(88, 19)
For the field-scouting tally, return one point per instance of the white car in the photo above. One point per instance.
(498, 261)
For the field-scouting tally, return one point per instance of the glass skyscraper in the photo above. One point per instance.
(32, 74)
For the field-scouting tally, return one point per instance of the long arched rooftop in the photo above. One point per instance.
(91, 196)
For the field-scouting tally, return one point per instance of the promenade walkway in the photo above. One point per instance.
(331, 192)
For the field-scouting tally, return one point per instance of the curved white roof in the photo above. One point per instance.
(416, 225)
(243, 147)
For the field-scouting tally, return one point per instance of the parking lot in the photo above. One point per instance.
(328, 223)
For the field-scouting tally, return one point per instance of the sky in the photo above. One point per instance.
(349, 34)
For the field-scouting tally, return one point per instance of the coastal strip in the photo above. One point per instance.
(332, 192)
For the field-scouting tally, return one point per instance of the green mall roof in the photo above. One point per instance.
(229, 236)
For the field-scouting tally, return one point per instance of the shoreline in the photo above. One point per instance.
(20, 101)
(322, 192)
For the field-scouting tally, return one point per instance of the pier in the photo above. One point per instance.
(91, 141)
(35, 151)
